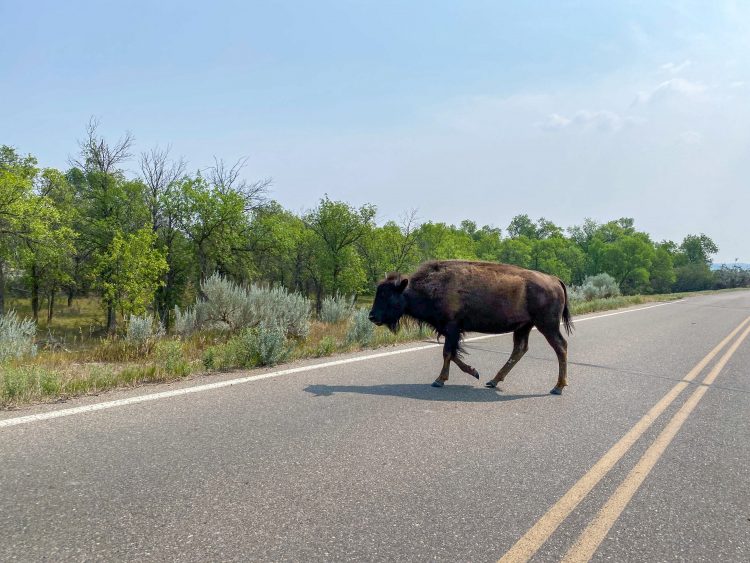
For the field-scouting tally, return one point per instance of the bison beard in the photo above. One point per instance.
(456, 296)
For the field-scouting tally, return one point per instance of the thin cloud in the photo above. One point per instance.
(601, 120)
(555, 121)
(674, 68)
(690, 138)
(673, 86)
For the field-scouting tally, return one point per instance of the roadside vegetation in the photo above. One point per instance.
(109, 278)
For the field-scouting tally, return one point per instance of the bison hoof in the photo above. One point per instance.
(438, 383)
(475, 373)
(557, 391)
(490, 384)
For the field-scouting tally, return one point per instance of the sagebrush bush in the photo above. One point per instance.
(16, 336)
(270, 344)
(223, 304)
(229, 306)
(336, 308)
(277, 307)
(143, 328)
(184, 321)
(600, 286)
(361, 329)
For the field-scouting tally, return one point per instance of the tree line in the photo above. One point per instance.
(147, 240)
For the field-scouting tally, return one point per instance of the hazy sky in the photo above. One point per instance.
(463, 109)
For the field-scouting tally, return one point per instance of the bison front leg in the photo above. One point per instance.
(465, 367)
(450, 353)
(443, 377)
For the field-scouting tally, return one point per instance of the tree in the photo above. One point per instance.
(130, 271)
(697, 249)
(215, 214)
(583, 234)
(438, 241)
(16, 206)
(281, 249)
(547, 229)
(111, 207)
(47, 257)
(338, 227)
(522, 226)
(558, 256)
(160, 174)
(516, 251)
(32, 230)
(692, 263)
(628, 259)
(662, 272)
(390, 248)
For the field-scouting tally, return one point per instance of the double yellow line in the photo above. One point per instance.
(594, 534)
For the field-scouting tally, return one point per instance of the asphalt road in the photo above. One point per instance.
(364, 461)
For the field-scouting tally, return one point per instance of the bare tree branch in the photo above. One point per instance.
(226, 178)
(159, 173)
(96, 155)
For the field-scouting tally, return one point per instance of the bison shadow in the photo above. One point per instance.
(422, 392)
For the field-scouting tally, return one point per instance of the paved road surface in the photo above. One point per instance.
(364, 461)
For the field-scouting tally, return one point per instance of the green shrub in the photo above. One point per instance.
(210, 357)
(257, 346)
(26, 383)
(326, 347)
(170, 359)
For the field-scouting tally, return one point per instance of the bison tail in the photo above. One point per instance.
(567, 320)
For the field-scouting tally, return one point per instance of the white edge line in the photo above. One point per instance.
(241, 380)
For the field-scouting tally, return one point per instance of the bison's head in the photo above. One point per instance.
(390, 302)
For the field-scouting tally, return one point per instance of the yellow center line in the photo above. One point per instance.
(540, 532)
(589, 541)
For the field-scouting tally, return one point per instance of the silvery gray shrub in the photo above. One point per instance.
(270, 345)
(143, 328)
(361, 330)
(223, 305)
(228, 306)
(184, 321)
(599, 286)
(16, 336)
(335, 308)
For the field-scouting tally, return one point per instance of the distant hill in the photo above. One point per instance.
(743, 265)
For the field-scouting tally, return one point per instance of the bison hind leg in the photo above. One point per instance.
(520, 346)
(560, 346)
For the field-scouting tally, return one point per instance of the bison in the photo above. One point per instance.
(458, 296)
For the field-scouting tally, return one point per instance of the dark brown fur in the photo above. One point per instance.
(457, 296)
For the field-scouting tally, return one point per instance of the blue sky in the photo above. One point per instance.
(466, 109)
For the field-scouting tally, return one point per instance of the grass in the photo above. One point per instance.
(609, 303)
(74, 328)
(97, 364)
